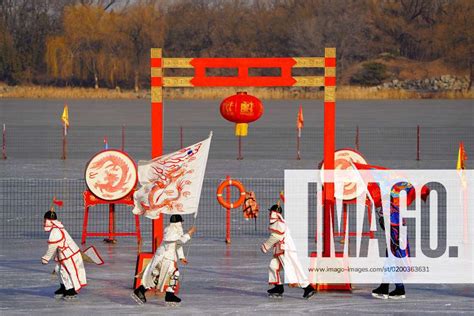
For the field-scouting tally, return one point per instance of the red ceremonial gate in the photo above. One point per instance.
(244, 79)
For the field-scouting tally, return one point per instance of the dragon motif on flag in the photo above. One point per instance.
(168, 182)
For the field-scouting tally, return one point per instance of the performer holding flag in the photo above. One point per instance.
(170, 184)
(162, 272)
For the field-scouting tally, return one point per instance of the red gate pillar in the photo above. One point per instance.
(156, 128)
(329, 143)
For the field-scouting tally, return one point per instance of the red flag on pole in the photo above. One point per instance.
(300, 119)
(299, 126)
(58, 202)
(462, 157)
(461, 163)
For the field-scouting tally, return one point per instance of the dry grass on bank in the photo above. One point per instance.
(343, 93)
(361, 93)
(41, 92)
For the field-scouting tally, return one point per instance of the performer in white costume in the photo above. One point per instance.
(162, 271)
(284, 257)
(66, 253)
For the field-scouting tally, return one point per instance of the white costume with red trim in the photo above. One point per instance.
(284, 254)
(162, 272)
(66, 253)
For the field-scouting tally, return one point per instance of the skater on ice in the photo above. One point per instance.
(383, 291)
(284, 257)
(62, 248)
(162, 271)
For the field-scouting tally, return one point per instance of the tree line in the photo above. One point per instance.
(106, 43)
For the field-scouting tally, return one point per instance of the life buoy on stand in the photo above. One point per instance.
(225, 184)
(226, 203)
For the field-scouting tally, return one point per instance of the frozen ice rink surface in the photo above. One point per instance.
(220, 279)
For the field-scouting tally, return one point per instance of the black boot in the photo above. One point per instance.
(308, 291)
(398, 293)
(70, 294)
(276, 291)
(381, 291)
(171, 299)
(60, 292)
(139, 295)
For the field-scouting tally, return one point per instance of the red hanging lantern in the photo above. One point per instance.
(241, 108)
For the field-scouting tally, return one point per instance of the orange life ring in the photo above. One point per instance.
(239, 187)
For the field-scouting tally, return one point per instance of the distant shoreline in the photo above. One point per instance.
(343, 93)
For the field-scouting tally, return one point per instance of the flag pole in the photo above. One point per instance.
(64, 141)
(298, 137)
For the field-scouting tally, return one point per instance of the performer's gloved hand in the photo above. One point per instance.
(263, 248)
(192, 230)
(44, 261)
(183, 261)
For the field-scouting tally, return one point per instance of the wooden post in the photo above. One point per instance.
(111, 237)
(64, 155)
(123, 137)
(418, 142)
(357, 138)
(240, 157)
(298, 137)
(4, 142)
(227, 221)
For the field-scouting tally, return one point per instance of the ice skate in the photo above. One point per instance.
(70, 295)
(171, 299)
(60, 292)
(276, 291)
(138, 295)
(397, 294)
(381, 292)
(309, 291)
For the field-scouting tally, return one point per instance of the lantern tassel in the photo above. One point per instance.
(241, 129)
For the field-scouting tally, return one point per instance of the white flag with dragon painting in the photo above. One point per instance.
(171, 184)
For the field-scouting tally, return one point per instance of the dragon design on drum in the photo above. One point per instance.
(111, 174)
